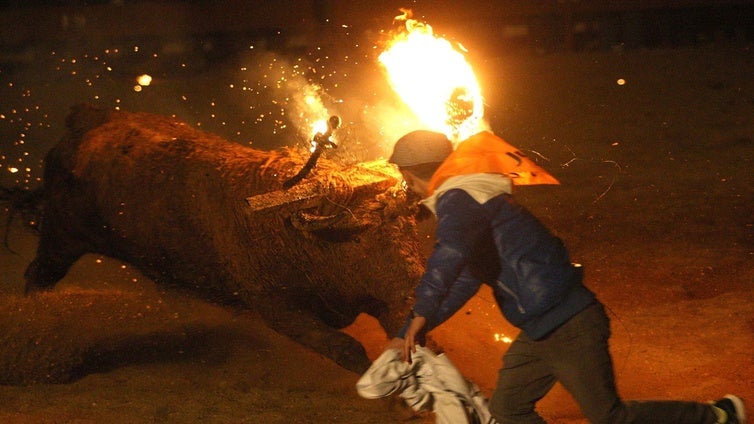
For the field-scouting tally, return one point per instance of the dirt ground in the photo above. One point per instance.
(655, 151)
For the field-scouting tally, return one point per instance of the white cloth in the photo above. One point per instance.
(481, 187)
(429, 382)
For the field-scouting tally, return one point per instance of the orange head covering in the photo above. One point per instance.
(485, 152)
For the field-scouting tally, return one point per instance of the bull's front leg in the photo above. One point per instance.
(55, 256)
(307, 329)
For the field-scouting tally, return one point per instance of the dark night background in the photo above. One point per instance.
(237, 68)
(656, 196)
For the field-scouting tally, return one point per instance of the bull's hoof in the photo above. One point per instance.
(343, 349)
(31, 289)
(353, 358)
(41, 278)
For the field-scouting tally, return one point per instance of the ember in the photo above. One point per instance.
(500, 337)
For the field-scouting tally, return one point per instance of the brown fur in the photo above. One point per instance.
(170, 199)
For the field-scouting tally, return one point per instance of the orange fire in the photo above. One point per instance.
(434, 79)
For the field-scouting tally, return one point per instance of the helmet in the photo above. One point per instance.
(421, 146)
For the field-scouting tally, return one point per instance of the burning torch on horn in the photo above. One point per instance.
(321, 142)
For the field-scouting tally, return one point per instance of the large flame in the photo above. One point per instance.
(434, 79)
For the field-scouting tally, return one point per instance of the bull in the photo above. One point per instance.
(192, 210)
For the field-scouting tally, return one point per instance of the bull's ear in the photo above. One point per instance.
(310, 221)
(337, 228)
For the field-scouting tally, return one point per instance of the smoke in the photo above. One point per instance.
(281, 96)
(299, 91)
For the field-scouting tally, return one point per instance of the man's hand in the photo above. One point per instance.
(409, 342)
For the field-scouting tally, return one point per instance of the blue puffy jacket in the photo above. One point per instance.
(502, 244)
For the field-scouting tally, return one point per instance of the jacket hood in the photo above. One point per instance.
(487, 153)
(481, 187)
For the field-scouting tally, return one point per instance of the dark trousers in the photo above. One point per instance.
(577, 355)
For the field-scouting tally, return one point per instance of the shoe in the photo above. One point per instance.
(733, 407)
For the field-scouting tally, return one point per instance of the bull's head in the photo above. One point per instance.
(351, 201)
(360, 220)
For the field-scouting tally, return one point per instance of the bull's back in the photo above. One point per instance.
(152, 191)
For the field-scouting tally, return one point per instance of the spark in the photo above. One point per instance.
(144, 80)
